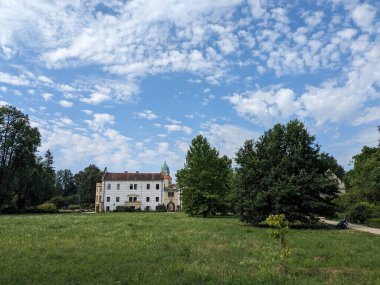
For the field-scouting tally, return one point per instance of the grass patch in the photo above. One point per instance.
(171, 248)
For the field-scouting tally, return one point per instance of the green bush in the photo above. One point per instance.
(161, 208)
(72, 199)
(10, 210)
(43, 208)
(280, 228)
(361, 211)
(126, 209)
(59, 201)
(374, 222)
(47, 206)
(73, 207)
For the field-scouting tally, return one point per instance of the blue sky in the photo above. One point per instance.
(128, 84)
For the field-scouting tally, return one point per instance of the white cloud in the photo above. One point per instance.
(372, 114)
(257, 9)
(45, 79)
(65, 103)
(364, 15)
(227, 138)
(48, 96)
(313, 18)
(265, 106)
(178, 128)
(147, 114)
(96, 98)
(100, 120)
(3, 103)
(13, 79)
(3, 89)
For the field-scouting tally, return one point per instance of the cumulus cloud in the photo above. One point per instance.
(227, 138)
(364, 15)
(178, 128)
(47, 96)
(147, 114)
(265, 106)
(65, 103)
(100, 120)
(13, 79)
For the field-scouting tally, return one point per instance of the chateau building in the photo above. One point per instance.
(143, 191)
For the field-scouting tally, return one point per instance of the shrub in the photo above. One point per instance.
(73, 207)
(161, 208)
(361, 211)
(59, 201)
(281, 228)
(47, 206)
(126, 209)
(72, 199)
(10, 210)
(374, 222)
(43, 208)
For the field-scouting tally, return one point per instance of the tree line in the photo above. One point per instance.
(282, 172)
(28, 179)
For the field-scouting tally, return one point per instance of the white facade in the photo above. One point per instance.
(143, 191)
(121, 191)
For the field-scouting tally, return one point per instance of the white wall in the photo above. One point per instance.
(124, 192)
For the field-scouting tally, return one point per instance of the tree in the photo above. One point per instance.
(65, 183)
(363, 181)
(205, 180)
(86, 180)
(283, 172)
(18, 148)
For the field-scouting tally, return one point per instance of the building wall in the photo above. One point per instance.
(124, 192)
(175, 199)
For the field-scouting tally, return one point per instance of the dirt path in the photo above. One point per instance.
(355, 227)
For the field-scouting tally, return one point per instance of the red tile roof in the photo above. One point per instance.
(133, 176)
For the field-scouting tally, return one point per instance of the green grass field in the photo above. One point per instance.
(171, 248)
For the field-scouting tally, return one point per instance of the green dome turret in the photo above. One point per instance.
(165, 168)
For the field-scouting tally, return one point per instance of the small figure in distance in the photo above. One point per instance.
(343, 223)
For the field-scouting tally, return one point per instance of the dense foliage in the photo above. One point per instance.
(362, 197)
(18, 156)
(86, 180)
(27, 179)
(205, 180)
(283, 172)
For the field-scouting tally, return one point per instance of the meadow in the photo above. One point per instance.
(171, 248)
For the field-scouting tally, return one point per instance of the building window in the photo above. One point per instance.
(109, 186)
(108, 199)
(117, 199)
(157, 199)
(117, 186)
(107, 208)
(147, 208)
(170, 194)
(130, 186)
(148, 186)
(157, 186)
(135, 186)
(134, 199)
(147, 199)
(130, 199)
(100, 198)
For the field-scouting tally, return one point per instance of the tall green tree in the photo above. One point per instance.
(86, 180)
(18, 148)
(283, 172)
(205, 180)
(65, 182)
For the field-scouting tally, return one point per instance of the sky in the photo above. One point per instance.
(128, 84)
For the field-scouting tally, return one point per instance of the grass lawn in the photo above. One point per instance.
(171, 248)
